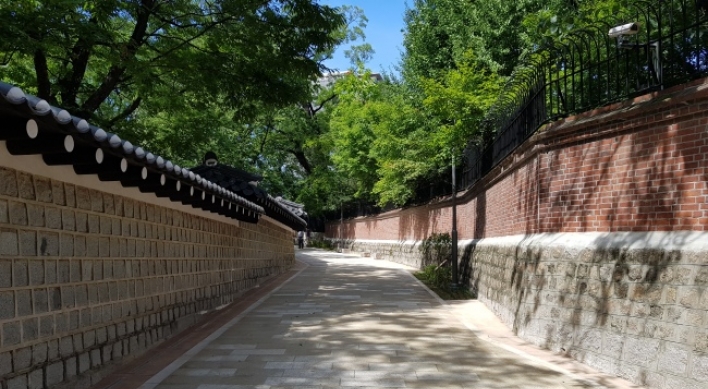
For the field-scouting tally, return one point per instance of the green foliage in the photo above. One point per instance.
(436, 276)
(321, 244)
(436, 249)
(439, 280)
(180, 77)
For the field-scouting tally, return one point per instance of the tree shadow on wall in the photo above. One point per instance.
(418, 223)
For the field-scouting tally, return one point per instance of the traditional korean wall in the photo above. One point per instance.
(590, 239)
(91, 272)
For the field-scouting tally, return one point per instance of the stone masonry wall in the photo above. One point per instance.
(88, 277)
(629, 304)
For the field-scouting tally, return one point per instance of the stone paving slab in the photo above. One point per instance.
(351, 322)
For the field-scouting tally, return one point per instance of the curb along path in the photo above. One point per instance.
(349, 322)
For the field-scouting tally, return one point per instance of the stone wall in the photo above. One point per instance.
(587, 239)
(91, 273)
(630, 304)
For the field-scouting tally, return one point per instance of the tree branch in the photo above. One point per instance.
(126, 112)
(128, 52)
(327, 100)
(71, 82)
(42, 71)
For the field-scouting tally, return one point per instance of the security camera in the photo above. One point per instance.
(625, 29)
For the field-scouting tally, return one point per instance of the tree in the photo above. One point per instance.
(104, 59)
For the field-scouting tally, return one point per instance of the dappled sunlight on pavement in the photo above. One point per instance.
(345, 321)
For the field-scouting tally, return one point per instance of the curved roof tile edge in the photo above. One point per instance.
(110, 142)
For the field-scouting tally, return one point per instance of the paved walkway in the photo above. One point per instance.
(344, 321)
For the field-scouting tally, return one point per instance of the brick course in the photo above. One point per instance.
(88, 277)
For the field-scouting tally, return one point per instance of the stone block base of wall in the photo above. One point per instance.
(630, 304)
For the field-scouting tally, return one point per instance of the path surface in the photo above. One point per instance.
(349, 322)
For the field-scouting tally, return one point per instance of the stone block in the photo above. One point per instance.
(690, 297)
(25, 186)
(96, 358)
(35, 215)
(86, 319)
(18, 213)
(8, 182)
(117, 350)
(74, 320)
(18, 382)
(39, 353)
(20, 274)
(107, 353)
(70, 367)
(673, 358)
(640, 351)
(41, 301)
(7, 305)
(75, 270)
(54, 218)
(4, 212)
(23, 302)
(70, 195)
(81, 221)
(612, 344)
(66, 346)
(63, 271)
(36, 272)
(22, 358)
(83, 200)
(5, 363)
(9, 243)
(46, 326)
(5, 273)
(54, 374)
(700, 367)
(81, 295)
(108, 204)
(84, 362)
(104, 249)
(35, 379)
(48, 243)
(105, 225)
(11, 334)
(53, 349)
(96, 200)
(66, 245)
(58, 196)
(93, 224)
(701, 340)
(28, 243)
(30, 329)
(89, 338)
(683, 383)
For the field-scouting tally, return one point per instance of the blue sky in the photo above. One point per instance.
(383, 32)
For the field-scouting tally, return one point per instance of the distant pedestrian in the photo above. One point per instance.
(301, 239)
(307, 237)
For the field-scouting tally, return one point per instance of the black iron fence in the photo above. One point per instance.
(648, 45)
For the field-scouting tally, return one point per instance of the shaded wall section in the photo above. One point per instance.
(91, 272)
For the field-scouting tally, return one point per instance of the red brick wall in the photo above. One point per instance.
(641, 165)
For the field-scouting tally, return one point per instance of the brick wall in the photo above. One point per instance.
(591, 239)
(637, 166)
(90, 276)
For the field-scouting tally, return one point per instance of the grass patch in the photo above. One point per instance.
(439, 280)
